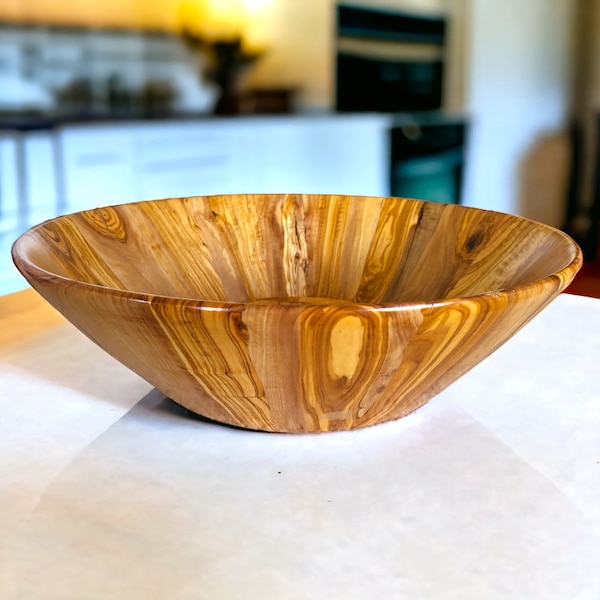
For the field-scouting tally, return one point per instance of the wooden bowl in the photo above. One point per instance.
(297, 313)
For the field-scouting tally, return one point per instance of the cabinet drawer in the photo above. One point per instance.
(194, 180)
(187, 160)
(98, 166)
(169, 145)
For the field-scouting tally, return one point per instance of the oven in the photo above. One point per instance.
(393, 62)
(387, 61)
(428, 157)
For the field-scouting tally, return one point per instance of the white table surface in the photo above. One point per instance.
(492, 490)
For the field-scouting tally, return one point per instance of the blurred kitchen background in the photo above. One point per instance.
(487, 103)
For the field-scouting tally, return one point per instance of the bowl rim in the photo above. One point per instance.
(566, 273)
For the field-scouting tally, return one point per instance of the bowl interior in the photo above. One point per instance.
(244, 248)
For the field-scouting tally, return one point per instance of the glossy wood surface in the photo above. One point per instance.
(297, 313)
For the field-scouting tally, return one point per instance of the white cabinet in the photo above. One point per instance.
(308, 154)
(118, 164)
(28, 194)
(97, 166)
(11, 222)
(9, 183)
(40, 188)
(328, 155)
(29, 187)
(187, 159)
(86, 166)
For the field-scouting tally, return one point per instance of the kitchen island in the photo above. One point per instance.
(109, 490)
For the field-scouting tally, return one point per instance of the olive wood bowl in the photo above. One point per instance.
(297, 313)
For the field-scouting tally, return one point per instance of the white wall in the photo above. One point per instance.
(299, 41)
(517, 95)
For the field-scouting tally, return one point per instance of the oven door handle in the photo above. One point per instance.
(429, 163)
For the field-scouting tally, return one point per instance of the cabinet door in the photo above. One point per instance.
(328, 155)
(12, 223)
(97, 166)
(9, 183)
(40, 193)
(187, 159)
(29, 193)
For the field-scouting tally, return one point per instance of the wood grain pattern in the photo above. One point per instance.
(297, 313)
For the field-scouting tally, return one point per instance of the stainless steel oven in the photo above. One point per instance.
(388, 61)
(428, 157)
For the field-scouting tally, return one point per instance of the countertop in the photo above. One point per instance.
(45, 121)
(41, 121)
(109, 490)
